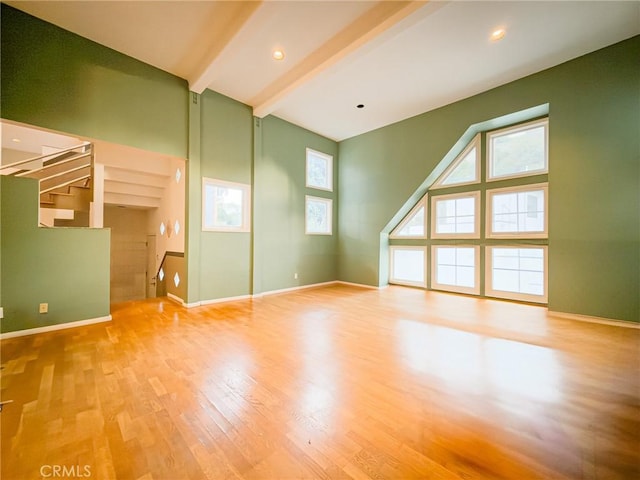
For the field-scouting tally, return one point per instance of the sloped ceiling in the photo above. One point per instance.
(396, 58)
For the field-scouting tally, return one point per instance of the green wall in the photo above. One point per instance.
(594, 178)
(281, 247)
(55, 79)
(39, 267)
(226, 154)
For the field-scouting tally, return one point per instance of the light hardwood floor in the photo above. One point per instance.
(337, 382)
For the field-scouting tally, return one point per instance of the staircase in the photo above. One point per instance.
(65, 179)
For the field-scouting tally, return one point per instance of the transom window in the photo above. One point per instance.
(465, 169)
(518, 151)
(456, 216)
(414, 224)
(319, 170)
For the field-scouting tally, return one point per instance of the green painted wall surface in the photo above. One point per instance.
(594, 175)
(281, 246)
(55, 79)
(39, 267)
(226, 154)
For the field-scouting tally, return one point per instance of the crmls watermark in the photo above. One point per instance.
(65, 471)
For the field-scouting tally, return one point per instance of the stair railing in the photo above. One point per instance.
(54, 155)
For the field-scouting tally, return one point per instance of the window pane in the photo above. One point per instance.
(518, 212)
(319, 170)
(318, 215)
(455, 266)
(227, 207)
(455, 215)
(464, 172)
(408, 265)
(414, 227)
(518, 152)
(518, 270)
(224, 206)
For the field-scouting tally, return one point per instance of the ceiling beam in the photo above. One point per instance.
(374, 22)
(233, 18)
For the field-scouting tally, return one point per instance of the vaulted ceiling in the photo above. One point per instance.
(396, 58)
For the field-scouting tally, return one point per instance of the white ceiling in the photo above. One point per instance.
(397, 58)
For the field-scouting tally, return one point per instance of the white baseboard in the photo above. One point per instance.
(53, 328)
(590, 319)
(293, 289)
(225, 299)
(175, 298)
(361, 285)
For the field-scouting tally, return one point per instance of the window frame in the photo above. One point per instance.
(489, 233)
(329, 161)
(246, 205)
(455, 288)
(522, 297)
(408, 283)
(514, 129)
(407, 218)
(329, 203)
(475, 142)
(475, 194)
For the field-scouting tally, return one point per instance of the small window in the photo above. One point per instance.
(225, 206)
(455, 269)
(318, 215)
(408, 266)
(517, 212)
(518, 151)
(517, 273)
(414, 224)
(465, 169)
(319, 171)
(455, 216)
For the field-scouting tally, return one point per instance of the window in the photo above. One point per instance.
(455, 216)
(225, 206)
(455, 269)
(319, 170)
(413, 225)
(517, 212)
(318, 215)
(408, 266)
(517, 273)
(465, 169)
(518, 151)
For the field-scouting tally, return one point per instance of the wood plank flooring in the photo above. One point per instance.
(337, 382)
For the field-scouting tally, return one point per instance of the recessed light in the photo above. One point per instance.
(278, 55)
(498, 34)
(17, 140)
(360, 105)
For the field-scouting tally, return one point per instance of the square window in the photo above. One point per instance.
(319, 170)
(455, 269)
(517, 212)
(318, 215)
(518, 151)
(517, 273)
(408, 266)
(225, 206)
(456, 216)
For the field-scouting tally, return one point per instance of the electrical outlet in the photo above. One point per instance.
(295, 276)
(44, 307)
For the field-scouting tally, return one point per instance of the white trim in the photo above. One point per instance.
(475, 142)
(246, 205)
(361, 285)
(475, 290)
(225, 300)
(292, 289)
(191, 305)
(513, 129)
(422, 203)
(534, 187)
(400, 281)
(590, 319)
(53, 328)
(329, 160)
(454, 196)
(524, 297)
(329, 203)
(175, 298)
